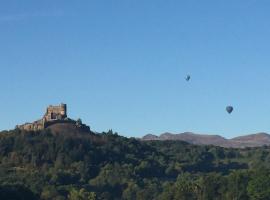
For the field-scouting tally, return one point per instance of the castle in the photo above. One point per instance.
(53, 115)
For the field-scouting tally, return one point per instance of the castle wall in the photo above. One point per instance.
(53, 113)
(35, 126)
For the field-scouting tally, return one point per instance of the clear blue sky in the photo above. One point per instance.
(120, 64)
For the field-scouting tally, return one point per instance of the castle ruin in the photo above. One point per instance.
(54, 114)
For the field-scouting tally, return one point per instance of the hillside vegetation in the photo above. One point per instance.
(45, 165)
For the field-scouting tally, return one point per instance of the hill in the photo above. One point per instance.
(253, 140)
(65, 162)
(68, 128)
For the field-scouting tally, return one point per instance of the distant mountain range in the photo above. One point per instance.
(253, 140)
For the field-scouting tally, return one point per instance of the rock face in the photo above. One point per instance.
(253, 140)
(54, 115)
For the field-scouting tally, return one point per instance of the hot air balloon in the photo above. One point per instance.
(188, 77)
(229, 109)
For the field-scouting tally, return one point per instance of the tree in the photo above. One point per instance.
(237, 185)
(18, 192)
(185, 187)
(79, 121)
(259, 185)
(81, 194)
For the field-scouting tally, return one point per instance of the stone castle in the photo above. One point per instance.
(53, 115)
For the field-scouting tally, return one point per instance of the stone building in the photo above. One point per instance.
(54, 114)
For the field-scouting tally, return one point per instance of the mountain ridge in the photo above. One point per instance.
(249, 140)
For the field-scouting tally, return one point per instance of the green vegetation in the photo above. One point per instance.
(42, 165)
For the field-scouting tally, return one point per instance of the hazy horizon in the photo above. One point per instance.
(122, 65)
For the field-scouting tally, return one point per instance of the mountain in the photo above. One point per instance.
(194, 138)
(150, 137)
(253, 140)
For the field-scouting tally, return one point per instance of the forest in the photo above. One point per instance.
(43, 165)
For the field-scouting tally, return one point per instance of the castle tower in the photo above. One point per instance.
(56, 112)
(63, 110)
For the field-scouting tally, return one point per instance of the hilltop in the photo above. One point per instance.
(54, 116)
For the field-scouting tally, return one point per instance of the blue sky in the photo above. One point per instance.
(121, 64)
